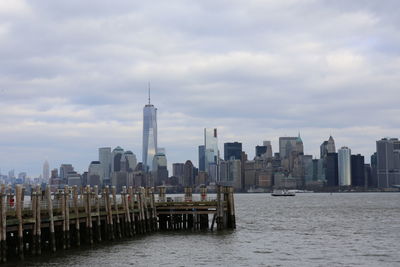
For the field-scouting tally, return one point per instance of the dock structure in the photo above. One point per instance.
(51, 221)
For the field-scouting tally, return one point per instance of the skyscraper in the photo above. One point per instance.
(105, 162)
(388, 162)
(149, 135)
(46, 171)
(269, 148)
(344, 166)
(357, 170)
(211, 153)
(202, 158)
(232, 151)
(327, 147)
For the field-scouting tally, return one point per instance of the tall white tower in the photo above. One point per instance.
(344, 166)
(46, 171)
(149, 135)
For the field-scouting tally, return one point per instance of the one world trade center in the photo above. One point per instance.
(149, 135)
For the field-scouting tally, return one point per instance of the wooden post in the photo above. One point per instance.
(118, 226)
(67, 222)
(110, 225)
(51, 218)
(132, 205)
(34, 216)
(64, 223)
(38, 219)
(98, 226)
(128, 228)
(18, 198)
(153, 210)
(76, 211)
(141, 210)
(220, 208)
(89, 214)
(232, 220)
(3, 225)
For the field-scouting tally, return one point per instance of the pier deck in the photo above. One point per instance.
(53, 221)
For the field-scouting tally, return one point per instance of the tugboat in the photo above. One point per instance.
(282, 193)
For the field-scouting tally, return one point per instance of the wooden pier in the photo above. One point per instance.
(73, 216)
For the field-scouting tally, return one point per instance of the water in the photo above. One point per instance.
(347, 229)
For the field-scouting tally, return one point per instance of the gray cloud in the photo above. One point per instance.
(74, 75)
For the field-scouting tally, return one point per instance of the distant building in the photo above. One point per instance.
(105, 161)
(116, 156)
(211, 153)
(261, 150)
(232, 151)
(64, 170)
(94, 174)
(388, 162)
(269, 149)
(149, 135)
(357, 170)
(188, 175)
(46, 171)
(159, 168)
(202, 158)
(344, 166)
(327, 147)
(177, 171)
(332, 169)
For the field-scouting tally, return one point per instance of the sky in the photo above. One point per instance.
(74, 76)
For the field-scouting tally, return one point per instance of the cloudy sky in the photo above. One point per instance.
(73, 75)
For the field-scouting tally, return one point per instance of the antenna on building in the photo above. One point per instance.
(149, 92)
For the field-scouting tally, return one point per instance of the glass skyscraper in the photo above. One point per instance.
(149, 135)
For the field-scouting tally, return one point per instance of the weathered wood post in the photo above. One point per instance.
(64, 223)
(220, 208)
(38, 219)
(141, 213)
(231, 208)
(76, 211)
(132, 206)
(118, 226)
(67, 221)
(51, 219)
(34, 229)
(3, 225)
(18, 198)
(110, 224)
(125, 200)
(88, 205)
(153, 209)
(98, 225)
(146, 208)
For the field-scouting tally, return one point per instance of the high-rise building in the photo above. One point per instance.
(188, 175)
(331, 170)
(211, 153)
(131, 160)
(357, 170)
(105, 162)
(116, 156)
(373, 182)
(327, 147)
(149, 134)
(388, 162)
(202, 158)
(232, 151)
(65, 169)
(159, 167)
(261, 150)
(287, 145)
(95, 173)
(344, 166)
(269, 149)
(46, 171)
(177, 171)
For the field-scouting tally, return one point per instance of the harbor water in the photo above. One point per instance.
(310, 229)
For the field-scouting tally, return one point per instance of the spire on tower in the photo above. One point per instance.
(149, 92)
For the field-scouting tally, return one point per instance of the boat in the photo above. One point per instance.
(282, 193)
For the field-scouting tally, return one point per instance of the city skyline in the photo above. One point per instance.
(255, 71)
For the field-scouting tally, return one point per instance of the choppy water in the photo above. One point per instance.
(346, 229)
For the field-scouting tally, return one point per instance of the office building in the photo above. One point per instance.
(327, 147)
(149, 135)
(357, 170)
(332, 169)
(344, 166)
(46, 171)
(388, 162)
(202, 158)
(232, 151)
(105, 162)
